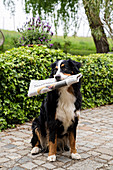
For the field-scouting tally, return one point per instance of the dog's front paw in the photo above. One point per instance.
(35, 150)
(75, 156)
(51, 158)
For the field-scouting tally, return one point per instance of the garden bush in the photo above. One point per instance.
(97, 81)
(35, 31)
(19, 65)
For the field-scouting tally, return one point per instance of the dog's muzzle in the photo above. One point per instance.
(58, 78)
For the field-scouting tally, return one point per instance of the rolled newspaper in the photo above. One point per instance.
(43, 86)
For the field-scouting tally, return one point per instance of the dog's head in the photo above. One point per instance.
(61, 69)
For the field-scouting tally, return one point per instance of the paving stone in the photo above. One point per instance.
(3, 154)
(85, 165)
(12, 150)
(59, 169)
(38, 162)
(58, 163)
(39, 168)
(84, 155)
(94, 143)
(63, 159)
(10, 146)
(84, 148)
(22, 147)
(16, 168)
(49, 165)
(3, 168)
(110, 167)
(111, 162)
(9, 164)
(67, 165)
(93, 153)
(18, 143)
(24, 159)
(2, 160)
(105, 157)
(13, 156)
(105, 150)
(19, 134)
(23, 152)
(100, 160)
(2, 144)
(7, 141)
(29, 165)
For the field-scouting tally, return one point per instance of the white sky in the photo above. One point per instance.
(9, 22)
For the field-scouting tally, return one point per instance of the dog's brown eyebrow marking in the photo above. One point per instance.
(62, 65)
(56, 67)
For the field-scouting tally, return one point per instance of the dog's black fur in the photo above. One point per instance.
(47, 125)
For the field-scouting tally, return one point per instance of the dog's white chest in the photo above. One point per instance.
(66, 108)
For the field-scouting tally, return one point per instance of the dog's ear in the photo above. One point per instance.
(74, 65)
(53, 65)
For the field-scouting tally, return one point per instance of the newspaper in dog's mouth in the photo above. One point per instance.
(43, 86)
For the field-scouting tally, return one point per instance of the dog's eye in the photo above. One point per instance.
(64, 68)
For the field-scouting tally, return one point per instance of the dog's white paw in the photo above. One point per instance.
(35, 150)
(51, 158)
(75, 156)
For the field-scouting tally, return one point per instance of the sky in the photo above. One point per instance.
(9, 22)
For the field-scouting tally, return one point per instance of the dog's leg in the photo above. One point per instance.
(52, 148)
(73, 150)
(35, 142)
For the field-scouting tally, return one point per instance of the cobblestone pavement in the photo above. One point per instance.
(94, 144)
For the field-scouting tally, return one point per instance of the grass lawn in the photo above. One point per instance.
(73, 45)
(9, 40)
(78, 45)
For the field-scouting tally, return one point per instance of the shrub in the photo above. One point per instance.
(56, 45)
(35, 32)
(97, 81)
(19, 65)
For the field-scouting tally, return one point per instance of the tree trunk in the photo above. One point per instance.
(101, 42)
(96, 26)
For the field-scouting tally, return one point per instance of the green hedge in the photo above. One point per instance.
(97, 81)
(19, 65)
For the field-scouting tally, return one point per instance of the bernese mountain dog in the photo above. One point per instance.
(55, 128)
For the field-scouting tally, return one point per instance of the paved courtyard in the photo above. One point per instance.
(94, 144)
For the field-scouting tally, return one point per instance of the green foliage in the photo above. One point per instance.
(35, 31)
(97, 81)
(64, 11)
(19, 65)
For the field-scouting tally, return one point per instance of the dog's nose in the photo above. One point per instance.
(58, 77)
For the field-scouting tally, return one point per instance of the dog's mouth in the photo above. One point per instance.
(61, 77)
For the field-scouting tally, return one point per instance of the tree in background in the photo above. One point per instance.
(92, 10)
(66, 11)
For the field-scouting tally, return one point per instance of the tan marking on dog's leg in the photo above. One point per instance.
(37, 133)
(72, 142)
(38, 142)
(53, 147)
(47, 138)
(74, 154)
(36, 148)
